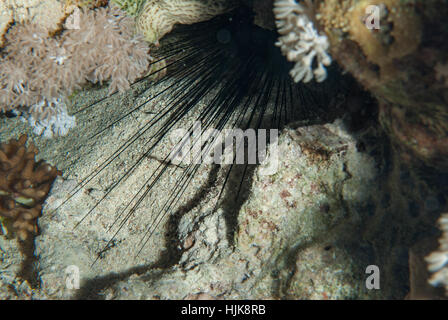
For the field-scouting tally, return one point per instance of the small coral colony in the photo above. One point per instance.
(52, 48)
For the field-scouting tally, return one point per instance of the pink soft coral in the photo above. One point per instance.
(37, 71)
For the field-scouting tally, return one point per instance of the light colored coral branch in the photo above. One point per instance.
(438, 260)
(300, 42)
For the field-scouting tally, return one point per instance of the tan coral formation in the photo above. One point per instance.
(399, 35)
(132, 7)
(401, 63)
(24, 185)
(39, 66)
(158, 17)
(49, 14)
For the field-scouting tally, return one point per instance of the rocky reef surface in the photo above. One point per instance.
(339, 202)
(348, 194)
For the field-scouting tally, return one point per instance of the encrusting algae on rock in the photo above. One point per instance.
(400, 63)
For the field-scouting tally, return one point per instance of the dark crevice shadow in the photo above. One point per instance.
(174, 247)
(90, 289)
(234, 200)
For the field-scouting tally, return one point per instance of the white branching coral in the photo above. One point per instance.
(37, 71)
(438, 260)
(50, 118)
(300, 42)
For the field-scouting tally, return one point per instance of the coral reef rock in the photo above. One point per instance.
(308, 231)
(48, 14)
(401, 60)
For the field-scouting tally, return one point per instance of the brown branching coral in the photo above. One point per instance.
(24, 185)
(38, 71)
